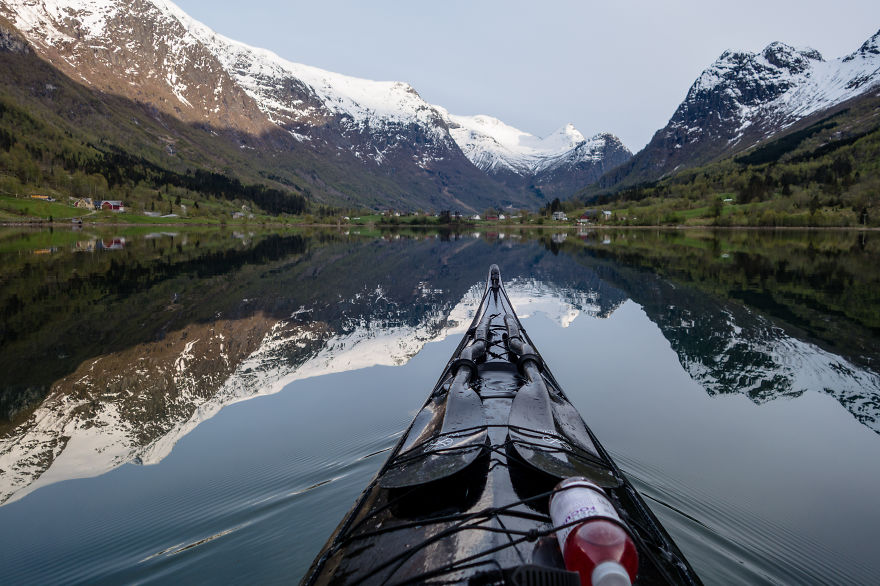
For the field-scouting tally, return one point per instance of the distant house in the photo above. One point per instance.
(492, 218)
(85, 203)
(475, 217)
(607, 214)
(113, 205)
(559, 216)
(589, 215)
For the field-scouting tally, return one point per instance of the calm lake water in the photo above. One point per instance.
(205, 406)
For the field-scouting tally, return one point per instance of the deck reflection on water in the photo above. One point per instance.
(206, 405)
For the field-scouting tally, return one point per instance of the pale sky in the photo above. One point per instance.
(620, 67)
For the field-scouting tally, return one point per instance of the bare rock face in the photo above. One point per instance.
(11, 41)
(136, 50)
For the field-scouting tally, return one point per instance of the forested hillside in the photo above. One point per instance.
(61, 139)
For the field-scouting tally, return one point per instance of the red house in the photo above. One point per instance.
(112, 205)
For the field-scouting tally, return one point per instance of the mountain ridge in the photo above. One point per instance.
(744, 98)
(151, 51)
(557, 164)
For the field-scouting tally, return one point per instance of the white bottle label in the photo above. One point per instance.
(579, 499)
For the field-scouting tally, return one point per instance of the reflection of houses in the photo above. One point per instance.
(558, 238)
(585, 233)
(113, 205)
(117, 243)
(559, 216)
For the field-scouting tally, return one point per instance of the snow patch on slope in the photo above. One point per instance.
(268, 79)
(38, 19)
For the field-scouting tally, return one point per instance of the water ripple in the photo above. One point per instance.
(727, 543)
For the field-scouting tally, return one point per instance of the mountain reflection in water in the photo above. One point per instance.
(115, 356)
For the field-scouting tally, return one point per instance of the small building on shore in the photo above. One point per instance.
(112, 205)
(588, 216)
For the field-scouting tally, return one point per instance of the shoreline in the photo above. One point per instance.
(72, 226)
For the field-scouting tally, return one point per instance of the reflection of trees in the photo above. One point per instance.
(821, 286)
(824, 288)
(747, 321)
(60, 312)
(337, 306)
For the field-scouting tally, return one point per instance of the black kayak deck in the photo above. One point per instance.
(463, 498)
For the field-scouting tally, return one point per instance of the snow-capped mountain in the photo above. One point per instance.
(744, 98)
(151, 52)
(377, 120)
(558, 163)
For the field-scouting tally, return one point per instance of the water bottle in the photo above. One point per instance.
(598, 548)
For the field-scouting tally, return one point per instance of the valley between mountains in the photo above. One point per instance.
(139, 102)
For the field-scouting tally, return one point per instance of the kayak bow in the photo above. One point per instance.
(463, 498)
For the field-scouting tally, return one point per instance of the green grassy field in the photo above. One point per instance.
(20, 208)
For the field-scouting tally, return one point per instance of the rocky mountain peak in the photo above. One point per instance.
(743, 98)
(752, 78)
(869, 48)
(567, 135)
(787, 57)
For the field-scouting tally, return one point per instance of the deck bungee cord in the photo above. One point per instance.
(464, 496)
